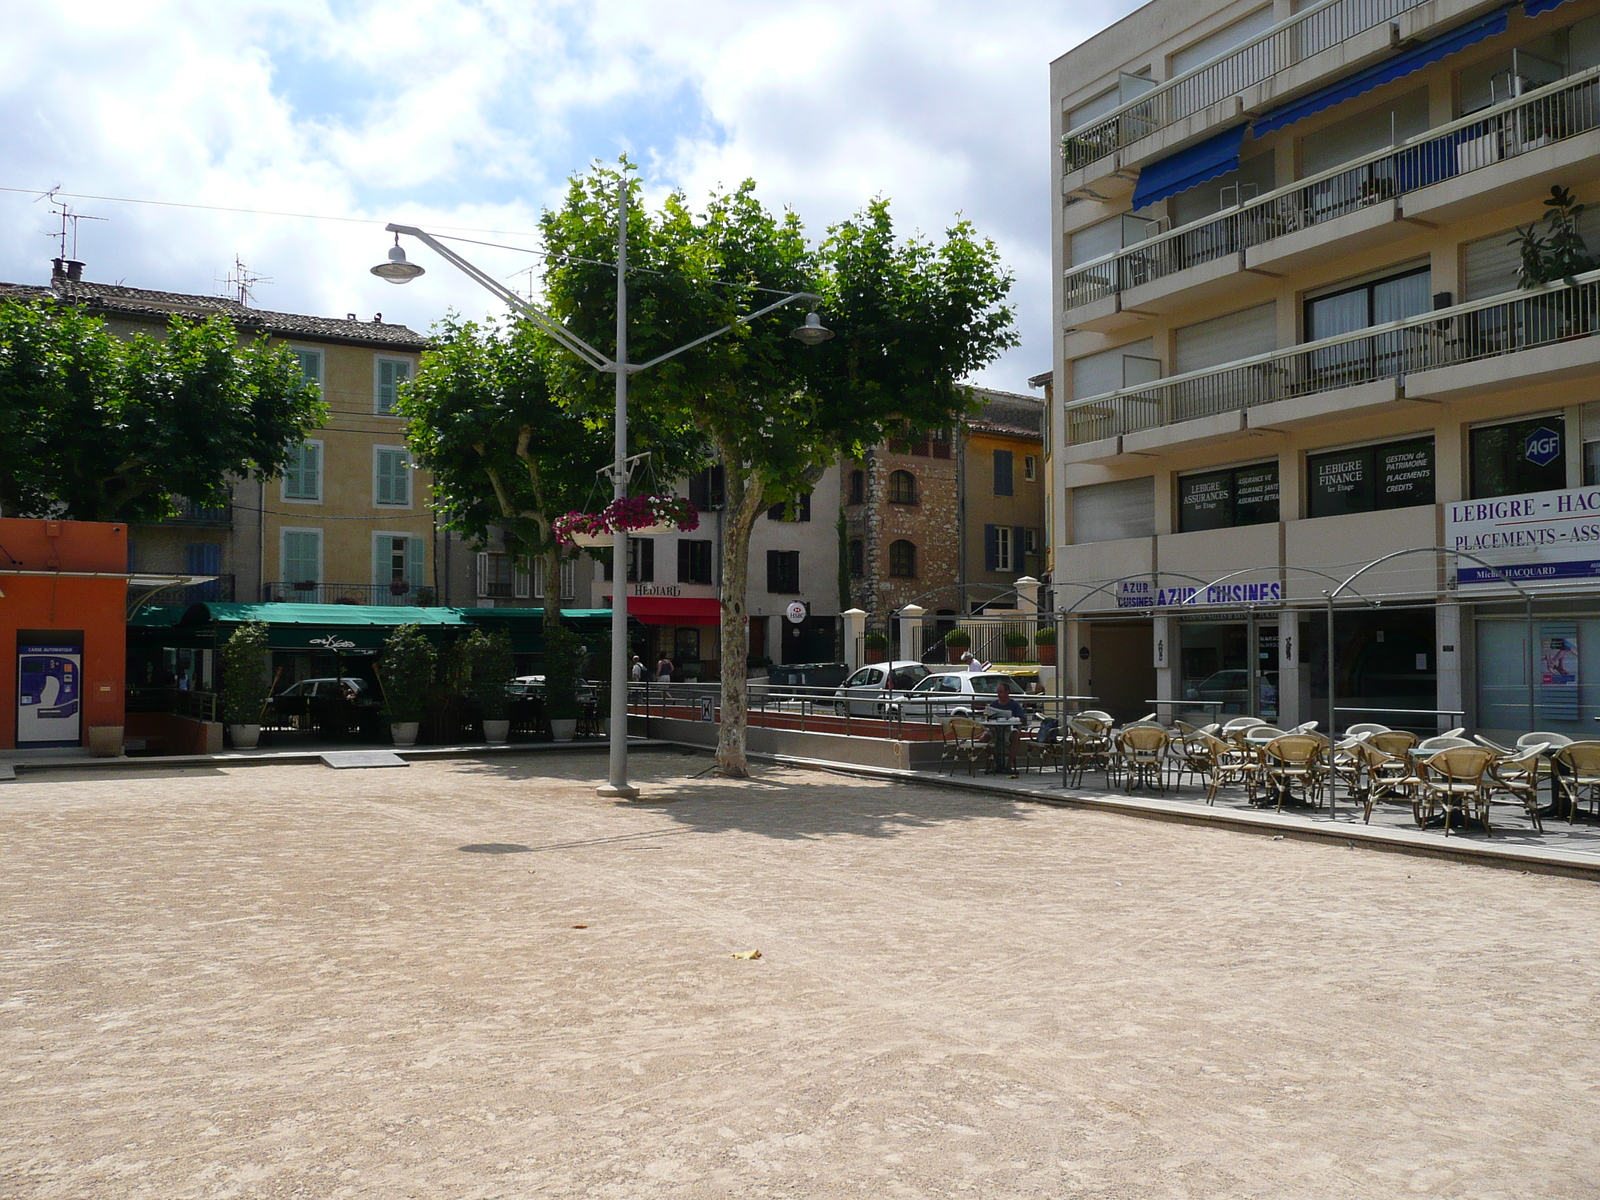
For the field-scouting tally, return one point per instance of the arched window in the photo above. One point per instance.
(858, 558)
(858, 487)
(902, 559)
(902, 487)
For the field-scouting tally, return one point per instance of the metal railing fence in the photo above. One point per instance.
(1308, 32)
(182, 702)
(381, 594)
(1488, 328)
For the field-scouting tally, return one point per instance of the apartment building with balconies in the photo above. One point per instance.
(1290, 341)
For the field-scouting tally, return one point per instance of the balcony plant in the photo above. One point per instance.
(1016, 645)
(245, 686)
(427, 597)
(305, 585)
(399, 587)
(491, 667)
(1560, 253)
(406, 673)
(1044, 641)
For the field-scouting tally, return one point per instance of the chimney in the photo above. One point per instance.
(378, 319)
(58, 269)
(74, 271)
(66, 270)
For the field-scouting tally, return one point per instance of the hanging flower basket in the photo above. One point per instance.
(399, 587)
(643, 515)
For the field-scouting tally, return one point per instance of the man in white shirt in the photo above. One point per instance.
(974, 664)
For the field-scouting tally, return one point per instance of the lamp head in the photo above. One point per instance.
(397, 269)
(813, 332)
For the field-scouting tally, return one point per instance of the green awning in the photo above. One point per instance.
(526, 625)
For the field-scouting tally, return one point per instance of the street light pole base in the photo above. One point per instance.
(617, 791)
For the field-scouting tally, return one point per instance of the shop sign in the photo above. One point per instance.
(1540, 537)
(1270, 592)
(657, 589)
(1135, 593)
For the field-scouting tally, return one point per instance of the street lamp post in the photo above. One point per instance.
(397, 269)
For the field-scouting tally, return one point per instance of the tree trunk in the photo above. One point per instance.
(552, 586)
(744, 492)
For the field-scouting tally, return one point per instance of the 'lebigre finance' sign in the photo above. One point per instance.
(1539, 537)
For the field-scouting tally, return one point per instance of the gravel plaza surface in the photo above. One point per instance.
(476, 979)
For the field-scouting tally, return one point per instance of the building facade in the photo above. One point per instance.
(1002, 497)
(1290, 341)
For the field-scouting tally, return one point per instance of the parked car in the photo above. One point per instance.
(531, 687)
(868, 692)
(962, 693)
(358, 692)
(1232, 688)
(331, 706)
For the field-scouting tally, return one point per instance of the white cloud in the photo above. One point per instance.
(452, 113)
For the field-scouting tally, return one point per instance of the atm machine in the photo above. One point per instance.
(49, 694)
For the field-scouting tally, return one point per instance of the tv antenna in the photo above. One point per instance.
(68, 223)
(242, 281)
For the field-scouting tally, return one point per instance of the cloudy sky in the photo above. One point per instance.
(469, 116)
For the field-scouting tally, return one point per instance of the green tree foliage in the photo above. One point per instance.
(492, 666)
(913, 319)
(563, 657)
(244, 661)
(406, 672)
(100, 428)
(1559, 253)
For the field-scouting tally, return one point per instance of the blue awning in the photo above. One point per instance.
(1189, 167)
(1534, 8)
(1398, 67)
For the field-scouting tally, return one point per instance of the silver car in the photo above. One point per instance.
(870, 691)
(959, 694)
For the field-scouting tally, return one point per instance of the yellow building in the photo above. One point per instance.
(1002, 496)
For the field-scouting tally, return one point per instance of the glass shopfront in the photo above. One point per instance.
(1215, 668)
(1566, 665)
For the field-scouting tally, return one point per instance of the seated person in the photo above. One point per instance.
(1004, 706)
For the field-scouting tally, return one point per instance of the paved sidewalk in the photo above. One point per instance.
(474, 979)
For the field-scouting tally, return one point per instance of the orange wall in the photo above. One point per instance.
(96, 606)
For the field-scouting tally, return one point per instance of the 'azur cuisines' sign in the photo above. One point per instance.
(1542, 536)
(1141, 593)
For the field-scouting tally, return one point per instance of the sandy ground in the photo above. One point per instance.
(290, 981)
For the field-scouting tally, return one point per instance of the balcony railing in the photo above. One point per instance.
(1306, 33)
(216, 591)
(1552, 113)
(1489, 328)
(190, 513)
(348, 593)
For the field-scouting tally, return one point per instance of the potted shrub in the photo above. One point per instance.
(427, 597)
(956, 643)
(399, 587)
(406, 671)
(1016, 646)
(877, 646)
(1045, 641)
(562, 651)
(492, 667)
(245, 686)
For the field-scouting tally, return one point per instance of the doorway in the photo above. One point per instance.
(1122, 669)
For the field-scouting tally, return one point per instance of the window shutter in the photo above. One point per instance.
(647, 560)
(774, 571)
(520, 581)
(1223, 339)
(569, 579)
(483, 575)
(310, 471)
(1002, 473)
(385, 469)
(1018, 534)
(685, 566)
(294, 473)
(991, 548)
(1104, 512)
(805, 506)
(417, 562)
(300, 557)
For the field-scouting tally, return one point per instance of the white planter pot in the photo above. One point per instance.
(593, 541)
(245, 737)
(653, 531)
(496, 732)
(563, 731)
(404, 733)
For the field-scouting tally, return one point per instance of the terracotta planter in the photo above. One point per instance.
(563, 730)
(404, 733)
(1047, 656)
(105, 741)
(496, 732)
(1017, 653)
(245, 737)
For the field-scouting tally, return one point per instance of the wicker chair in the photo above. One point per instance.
(1089, 748)
(962, 744)
(1517, 776)
(1577, 774)
(1294, 758)
(1395, 741)
(1388, 777)
(1143, 749)
(1452, 780)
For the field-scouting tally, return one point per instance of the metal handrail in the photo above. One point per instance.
(1299, 37)
(1555, 112)
(1487, 328)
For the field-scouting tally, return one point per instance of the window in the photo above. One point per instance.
(641, 561)
(781, 510)
(1126, 366)
(391, 373)
(1106, 512)
(1223, 40)
(1030, 467)
(1529, 455)
(1002, 473)
(311, 366)
(203, 558)
(1489, 265)
(1002, 546)
(902, 487)
(399, 558)
(857, 553)
(301, 555)
(783, 572)
(707, 489)
(1591, 441)
(1385, 125)
(1228, 498)
(499, 579)
(858, 487)
(1225, 339)
(1370, 478)
(902, 559)
(1250, 179)
(694, 560)
(1372, 303)
(569, 580)
(302, 476)
(391, 476)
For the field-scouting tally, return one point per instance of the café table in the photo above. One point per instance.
(1002, 729)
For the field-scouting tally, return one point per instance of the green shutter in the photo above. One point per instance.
(300, 556)
(416, 562)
